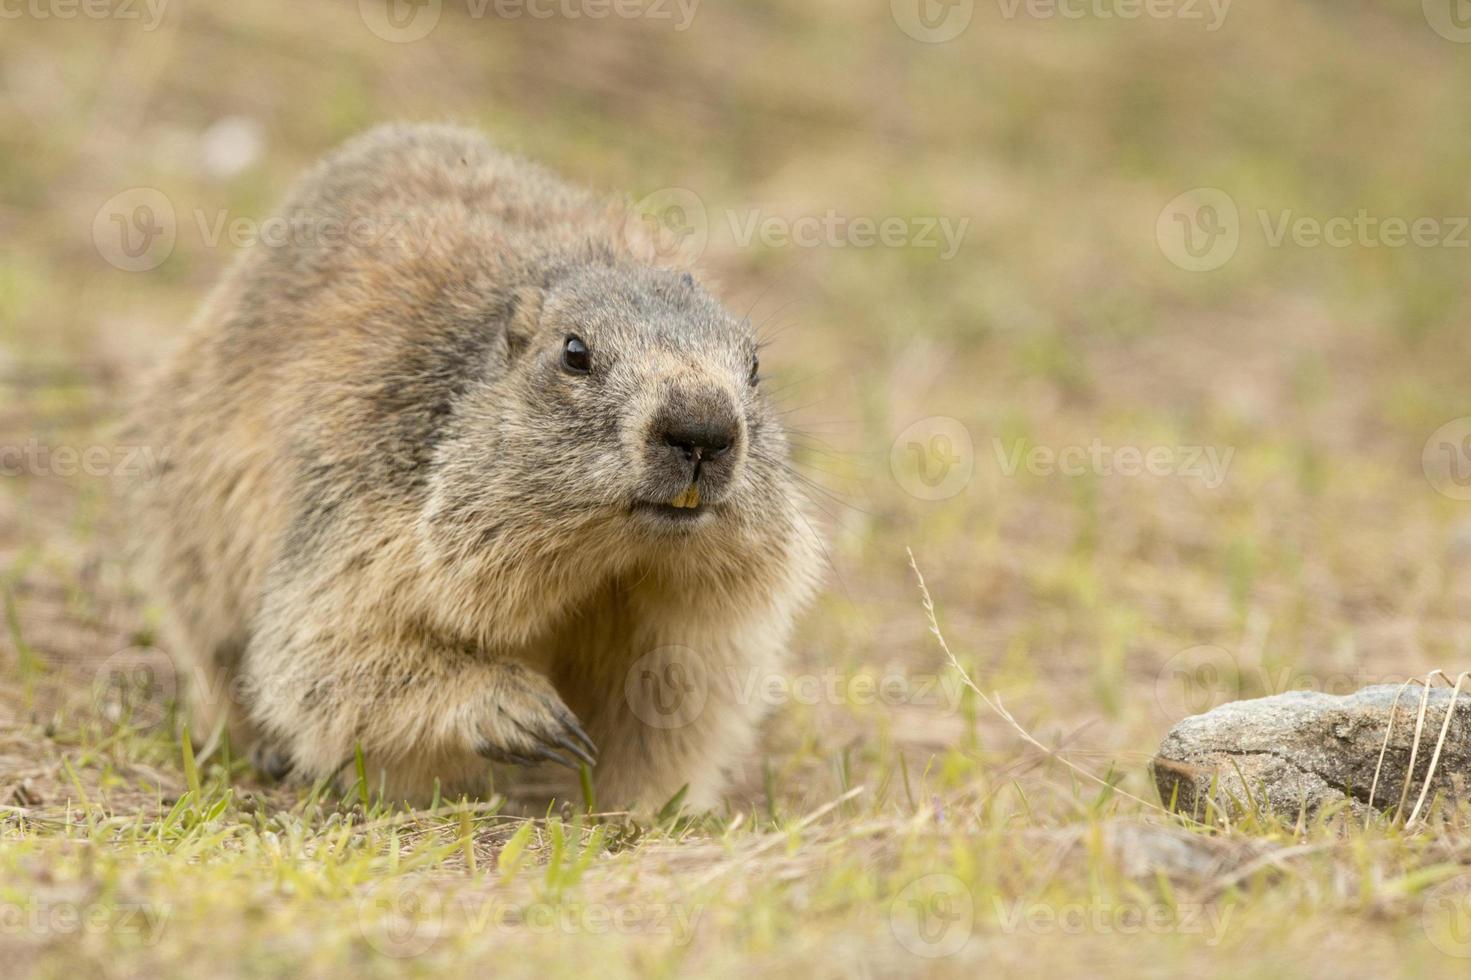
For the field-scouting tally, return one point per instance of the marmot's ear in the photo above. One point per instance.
(524, 316)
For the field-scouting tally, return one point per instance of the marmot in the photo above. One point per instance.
(455, 472)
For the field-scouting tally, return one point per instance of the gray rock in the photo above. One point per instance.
(1303, 750)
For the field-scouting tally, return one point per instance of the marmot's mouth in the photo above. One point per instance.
(671, 515)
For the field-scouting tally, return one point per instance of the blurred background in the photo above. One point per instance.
(1144, 327)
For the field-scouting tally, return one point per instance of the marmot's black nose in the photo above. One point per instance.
(699, 440)
(696, 435)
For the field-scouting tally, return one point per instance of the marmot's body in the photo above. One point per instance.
(453, 469)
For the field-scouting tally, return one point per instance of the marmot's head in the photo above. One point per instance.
(627, 412)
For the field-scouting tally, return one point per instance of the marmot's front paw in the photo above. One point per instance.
(525, 722)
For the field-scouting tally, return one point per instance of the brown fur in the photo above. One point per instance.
(391, 517)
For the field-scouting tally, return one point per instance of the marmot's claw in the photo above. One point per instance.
(556, 757)
(526, 723)
(575, 727)
(578, 750)
(543, 752)
(495, 754)
(531, 758)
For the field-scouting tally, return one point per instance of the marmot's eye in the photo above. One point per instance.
(755, 369)
(575, 356)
